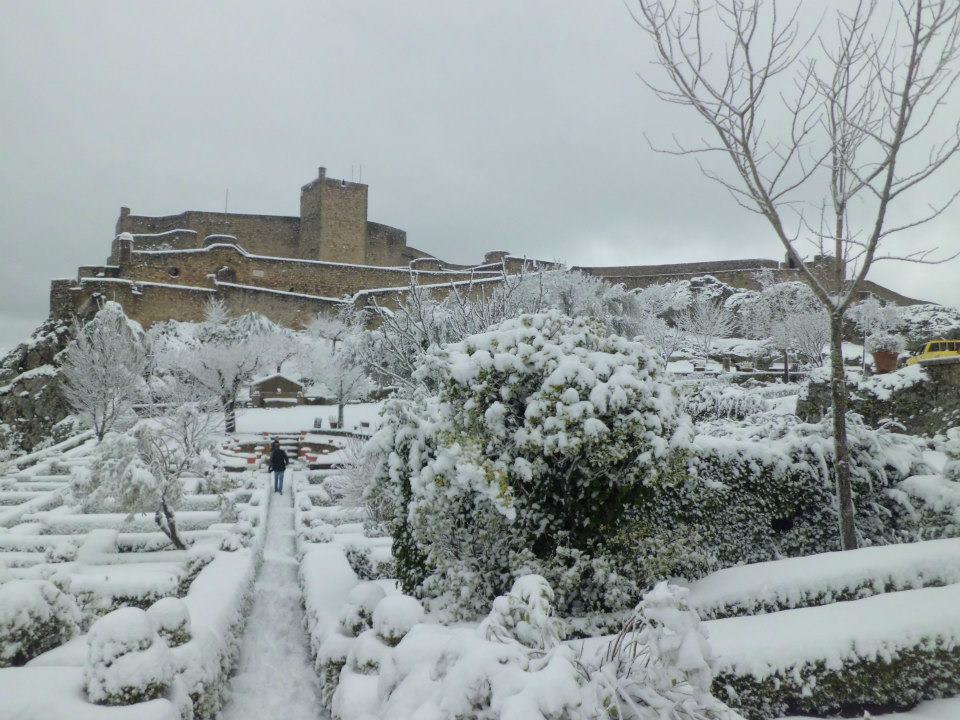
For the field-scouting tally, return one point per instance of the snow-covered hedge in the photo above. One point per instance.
(542, 436)
(514, 667)
(826, 578)
(127, 662)
(718, 400)
(767, 490)
(35, 616)
(887, 651)
(326, 581)
(933, 501)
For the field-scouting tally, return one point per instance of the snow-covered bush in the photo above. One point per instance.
(951, 470)
(172, 619)
(525, 615)
(886, 342)
(59, 552)
(357, 613)
(355, 620)
(318, 533)
(660, 665)
(394, 616)
(716, 401)
(35, 616)
(353, 483)
(366, 565)
(888, 651)
(544, 435)
(127, 662)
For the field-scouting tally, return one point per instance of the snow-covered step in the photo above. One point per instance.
(825, 578)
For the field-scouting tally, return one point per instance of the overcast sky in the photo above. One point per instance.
(500, 124)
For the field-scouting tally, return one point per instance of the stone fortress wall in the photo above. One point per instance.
(290, 268)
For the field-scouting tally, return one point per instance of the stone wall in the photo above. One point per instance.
(262, 234)
(290, 275)
(920, 401)
(150, 303)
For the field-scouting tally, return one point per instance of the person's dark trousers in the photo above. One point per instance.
(278, 481)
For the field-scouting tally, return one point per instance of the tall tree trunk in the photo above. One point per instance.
(167, 522)
(340, 415)
(863, 360)
(838, 392)
(786, 366)
(230, 415)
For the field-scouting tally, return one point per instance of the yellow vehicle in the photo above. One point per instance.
(938, 352)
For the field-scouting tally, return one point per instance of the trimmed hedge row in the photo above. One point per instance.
(880, 685)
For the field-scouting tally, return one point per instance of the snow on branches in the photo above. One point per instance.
(546, 432)
(102, 369)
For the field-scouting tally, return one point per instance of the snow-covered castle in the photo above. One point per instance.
(289, 268)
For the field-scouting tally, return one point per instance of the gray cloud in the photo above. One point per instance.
(494, 125)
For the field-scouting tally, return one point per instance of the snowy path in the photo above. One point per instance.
(276, 678)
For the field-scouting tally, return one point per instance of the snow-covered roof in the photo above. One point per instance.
(275, 376)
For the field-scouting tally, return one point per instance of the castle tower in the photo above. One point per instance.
(333, 220)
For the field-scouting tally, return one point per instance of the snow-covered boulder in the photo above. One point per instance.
(127, 661)
(35, 616)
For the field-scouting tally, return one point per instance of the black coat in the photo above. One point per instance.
(278, 460)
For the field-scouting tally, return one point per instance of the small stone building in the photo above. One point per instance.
(275, 390)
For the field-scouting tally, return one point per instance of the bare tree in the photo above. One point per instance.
(830, 171)
(102, 371)
(705, 320)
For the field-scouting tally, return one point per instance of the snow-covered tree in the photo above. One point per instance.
(347, 380)
(660, 335)
(336, 326)
(223, 355)
(659, 299)
(705, 320)
(102, 369)
(342, 369)
(123, 477)
(807, 332)
(392, 351)
(861, 137)
(653, 304)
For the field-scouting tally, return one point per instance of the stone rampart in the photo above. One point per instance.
(262, 234)
(291, 275)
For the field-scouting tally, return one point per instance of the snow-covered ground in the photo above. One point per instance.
(301, 417)
(276, 677)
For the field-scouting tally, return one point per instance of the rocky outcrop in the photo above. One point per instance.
(30, 400)
(917, 400)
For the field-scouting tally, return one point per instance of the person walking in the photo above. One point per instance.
(278, 464)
